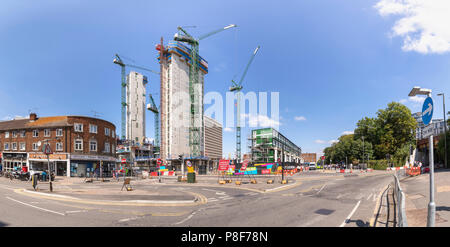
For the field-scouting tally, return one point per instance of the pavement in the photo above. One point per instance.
(110, 191)
(417, 190)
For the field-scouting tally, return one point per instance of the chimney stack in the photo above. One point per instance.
(33, 116)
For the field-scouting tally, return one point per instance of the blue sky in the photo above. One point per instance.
(333, 62)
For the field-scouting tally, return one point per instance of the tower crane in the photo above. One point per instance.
(238, 87)
(119, 61)
(196, 114)
(152, 107)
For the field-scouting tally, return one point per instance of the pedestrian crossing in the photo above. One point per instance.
(223, 196)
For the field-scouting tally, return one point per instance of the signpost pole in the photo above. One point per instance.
(431, 205)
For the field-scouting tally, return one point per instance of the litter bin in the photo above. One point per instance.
(191, 177)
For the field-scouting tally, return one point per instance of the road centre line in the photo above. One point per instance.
(351, 214)
(43, 209)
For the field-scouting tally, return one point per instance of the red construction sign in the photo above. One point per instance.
(124, 161)
(323, 157)
(223, 165)
(158, 161)
(244, 165)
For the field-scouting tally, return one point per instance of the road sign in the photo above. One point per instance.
(158, 161)
(427, 111)
(47, 149)
(244, 165)
(323, 157)
(223, 165)
(189, 164)
(124, 161)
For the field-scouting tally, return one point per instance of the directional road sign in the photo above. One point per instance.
(427, 111)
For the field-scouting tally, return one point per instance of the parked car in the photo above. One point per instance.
(312, 167)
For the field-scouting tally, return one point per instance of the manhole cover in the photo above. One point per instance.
(324, 211)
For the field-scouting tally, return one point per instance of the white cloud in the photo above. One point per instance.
(333, 141)
(228, 129)
(300, 118)
(261, 121)
(414, 102)
(347, 132)
(320, 141)
(423, 24)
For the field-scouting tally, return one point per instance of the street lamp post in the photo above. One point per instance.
(431, 205)
(445, 130)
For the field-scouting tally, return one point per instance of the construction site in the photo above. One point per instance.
(182, 133)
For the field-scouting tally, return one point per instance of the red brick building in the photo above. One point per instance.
(79, 144)
(309, 157)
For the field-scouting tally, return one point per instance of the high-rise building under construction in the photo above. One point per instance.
(176, 103)
(135, 118)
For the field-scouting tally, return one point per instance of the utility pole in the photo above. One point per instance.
(445, 130)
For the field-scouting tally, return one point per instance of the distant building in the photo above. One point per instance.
(309, 158)
(79, 144)
(268, 145)
(135, 119)
(213, 142)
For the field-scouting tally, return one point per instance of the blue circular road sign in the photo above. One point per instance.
(427, 110)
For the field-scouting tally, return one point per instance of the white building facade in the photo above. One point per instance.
(135, 121)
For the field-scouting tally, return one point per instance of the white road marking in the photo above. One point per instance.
(351, 214)
(128, 219)
(370, 195)
(36, 207)
(321, 188)
(76, 211)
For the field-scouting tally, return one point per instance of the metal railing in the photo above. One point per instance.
(400, 198)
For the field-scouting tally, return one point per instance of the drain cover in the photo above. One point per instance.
(324, 211)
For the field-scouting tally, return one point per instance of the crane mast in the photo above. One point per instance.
(196, 114)
(238, 87)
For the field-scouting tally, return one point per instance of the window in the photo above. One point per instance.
(92, 145)
(14, 145)
(113, 150)
(59, 146)
(78, 145)
(92, 128)
(113, 134)
(6, 146)
(22, 146)
(107, 147)
(7, 134)
(22, 133)
(106, 131)
(35, 147)
(14, 134)
(78, 127)
(47, 133)
(35, 133)
(59, 132)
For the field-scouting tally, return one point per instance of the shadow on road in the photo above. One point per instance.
(442, 208)
(360, 223)
(3, 224)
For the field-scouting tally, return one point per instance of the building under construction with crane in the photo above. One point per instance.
(182, 92)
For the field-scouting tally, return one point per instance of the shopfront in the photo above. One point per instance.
(13, 160)
(90, 165)
(58, 162)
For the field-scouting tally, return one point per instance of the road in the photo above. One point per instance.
(332, 200)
